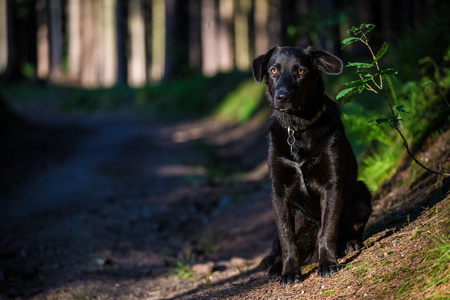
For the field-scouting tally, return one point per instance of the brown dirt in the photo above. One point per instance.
(112, 207)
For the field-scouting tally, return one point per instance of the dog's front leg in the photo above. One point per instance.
(331, 207)
(285, 218)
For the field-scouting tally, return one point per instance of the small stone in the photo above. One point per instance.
(238, 262)
(203, 269)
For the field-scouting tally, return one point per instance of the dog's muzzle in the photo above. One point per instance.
(282, 100)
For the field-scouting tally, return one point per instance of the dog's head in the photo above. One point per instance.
(294, 75)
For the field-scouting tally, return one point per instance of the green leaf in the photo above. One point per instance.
(389, 71)
(354, 30)
(382, 51)
(345, 92)
(380, 121)
(359, 65)
(368, 26)
(350, 93)
(349, 41)
(356, 82)
(400, 108)
(363, 73)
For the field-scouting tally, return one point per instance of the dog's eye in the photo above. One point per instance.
(274, 71)
(301, 71)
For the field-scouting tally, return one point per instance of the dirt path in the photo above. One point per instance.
(112, 204)
(120, 208)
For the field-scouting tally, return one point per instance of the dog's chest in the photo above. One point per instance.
(303, 149)
(301, 154)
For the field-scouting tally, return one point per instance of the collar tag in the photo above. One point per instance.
(291, 140)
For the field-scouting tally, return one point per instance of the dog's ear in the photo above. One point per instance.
(326, 62)
(260, 64)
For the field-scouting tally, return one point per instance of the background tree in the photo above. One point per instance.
(261, 26)
(7, 61)
(209, 43)
(74, 38)
(137, 60)
(101, 43)
(157, 38)
(3, 36)
(225, 36)
(55, 27)
(241, 29)
(43, 43)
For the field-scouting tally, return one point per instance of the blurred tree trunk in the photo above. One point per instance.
(43, 45)
(98, 46)
(74, 38)
(209, 50)
(4, 43)
(242, 38)
(274, 20)
(8, 58)
(158, 41)
(261, 15)
(173, 40)
(177, 39)
(137, 60)
(283, 15)
(120, 41)
(225, 35)
(109, 70)
(195, 43)
(55, 14)
(88, 77)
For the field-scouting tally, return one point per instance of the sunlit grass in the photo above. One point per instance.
(241, 104)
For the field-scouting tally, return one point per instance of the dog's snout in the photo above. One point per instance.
(283, 97)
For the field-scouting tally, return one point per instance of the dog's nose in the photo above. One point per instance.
(283, 97)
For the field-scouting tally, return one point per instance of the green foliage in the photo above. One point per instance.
(93, 100)
(229, 96)
(379, 148)
(191, 97)
(182, 271)
(433, 269)
(410, 108)
(370, 75)
(208, 284)
(328, 293)
(378, 167)
(242, 103)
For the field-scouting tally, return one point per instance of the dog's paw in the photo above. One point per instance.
(289, 279)
(328, 268)
(275, 270)
(351, 246)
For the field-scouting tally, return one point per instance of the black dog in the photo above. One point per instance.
(320, 208)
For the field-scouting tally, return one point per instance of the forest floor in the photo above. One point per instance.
(119, 207)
